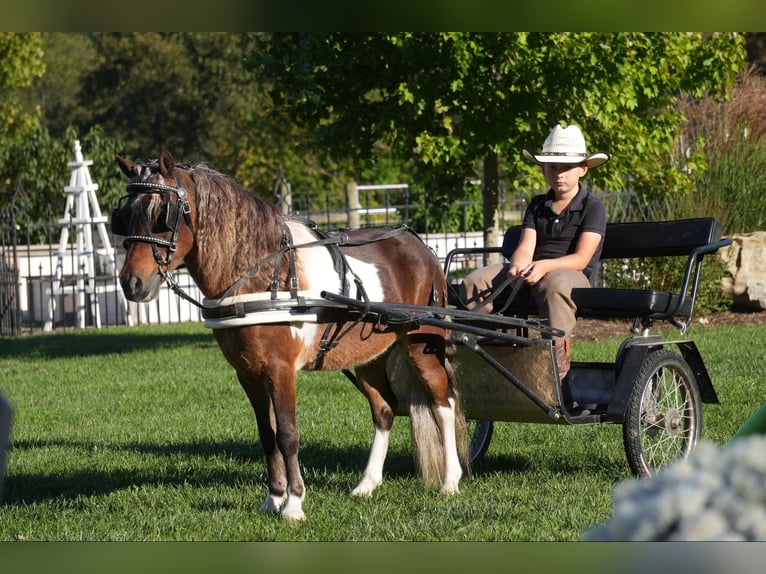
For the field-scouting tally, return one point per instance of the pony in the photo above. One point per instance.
(266, 278)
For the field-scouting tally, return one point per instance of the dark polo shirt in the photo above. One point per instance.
(557, 234)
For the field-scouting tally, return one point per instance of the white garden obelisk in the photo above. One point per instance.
(81, 215)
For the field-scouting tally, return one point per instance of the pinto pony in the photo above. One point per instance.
(264, 277)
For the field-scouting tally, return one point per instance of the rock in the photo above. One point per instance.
(745, 260)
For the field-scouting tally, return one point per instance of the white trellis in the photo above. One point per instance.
(81, 215)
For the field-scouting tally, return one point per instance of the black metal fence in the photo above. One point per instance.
(10, 313)
(34, 297)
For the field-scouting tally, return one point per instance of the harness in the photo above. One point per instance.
(273, 305)
(172, 221)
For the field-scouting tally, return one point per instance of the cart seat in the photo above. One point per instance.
(690, 238)
(599, 302)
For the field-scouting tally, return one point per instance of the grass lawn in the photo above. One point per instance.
(143, 434)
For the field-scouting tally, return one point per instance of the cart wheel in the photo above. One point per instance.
(480, 433)
(663, 421)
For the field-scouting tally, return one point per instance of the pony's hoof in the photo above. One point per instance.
(293, 509)
(365, 487)
(297, 517)
(272, 504)
(449, 488)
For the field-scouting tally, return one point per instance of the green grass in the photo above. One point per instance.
(134, 434)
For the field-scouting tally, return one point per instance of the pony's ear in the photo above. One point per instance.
(167, 163)
(127, 167)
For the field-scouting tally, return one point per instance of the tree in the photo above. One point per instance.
(21, 61)
(190, 92)
(30, 153)
(68, 59)
(453, 101)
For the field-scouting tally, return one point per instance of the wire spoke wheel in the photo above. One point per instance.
(663, 422)
(480, 435)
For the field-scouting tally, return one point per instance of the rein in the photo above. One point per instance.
(329, 241)
(340, 240)
(183, 207)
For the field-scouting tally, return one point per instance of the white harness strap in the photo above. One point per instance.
(264, 316)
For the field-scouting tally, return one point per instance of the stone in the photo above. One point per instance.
(745, 260)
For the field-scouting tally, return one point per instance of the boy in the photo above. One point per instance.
(560, 245)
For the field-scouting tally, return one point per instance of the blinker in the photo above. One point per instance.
(166, 221)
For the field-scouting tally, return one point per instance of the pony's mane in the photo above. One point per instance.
(236, 228)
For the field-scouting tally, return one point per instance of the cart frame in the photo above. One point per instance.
(654, 388)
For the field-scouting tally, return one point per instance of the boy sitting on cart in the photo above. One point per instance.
(561, 240)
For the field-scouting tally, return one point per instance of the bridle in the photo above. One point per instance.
(173, 213)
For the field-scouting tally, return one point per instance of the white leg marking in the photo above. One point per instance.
(272, 504)
(445, 417)
(292, 510)
(373, 474)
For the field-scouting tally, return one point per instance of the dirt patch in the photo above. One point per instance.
(595, 329)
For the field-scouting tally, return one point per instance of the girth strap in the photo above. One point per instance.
(289, 247)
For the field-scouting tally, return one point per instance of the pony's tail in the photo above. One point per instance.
(426, 435)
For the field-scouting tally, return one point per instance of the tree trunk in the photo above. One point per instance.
(490, 192)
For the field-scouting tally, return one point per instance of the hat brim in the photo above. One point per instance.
(593, 160)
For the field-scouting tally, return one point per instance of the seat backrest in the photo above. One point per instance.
(511, 240)
(659, 238)
(644, 238)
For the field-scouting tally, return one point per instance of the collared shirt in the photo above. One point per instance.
(557, 234)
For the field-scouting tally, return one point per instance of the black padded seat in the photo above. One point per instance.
(629, 303)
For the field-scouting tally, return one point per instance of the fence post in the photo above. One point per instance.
(283, 193)
(352, 201)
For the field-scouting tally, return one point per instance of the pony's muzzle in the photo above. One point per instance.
(138, 290)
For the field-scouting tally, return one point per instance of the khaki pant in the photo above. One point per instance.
(552, 293)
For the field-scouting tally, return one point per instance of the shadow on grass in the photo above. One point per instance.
(99, 342)
(554, 464)
(186, 465)
(239, 464)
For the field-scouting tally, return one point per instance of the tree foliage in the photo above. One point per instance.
(190, 92)
(31, 156)
(450, 101)
(325, 108)
(21, 61)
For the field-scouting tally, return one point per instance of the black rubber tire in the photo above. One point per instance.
(479, 435)
(663, 421)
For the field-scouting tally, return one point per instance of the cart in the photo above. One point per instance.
(507, 370)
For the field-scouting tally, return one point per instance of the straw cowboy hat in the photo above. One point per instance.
(565, 145)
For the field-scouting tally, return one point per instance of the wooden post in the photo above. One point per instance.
(284, 194)
(352, 201)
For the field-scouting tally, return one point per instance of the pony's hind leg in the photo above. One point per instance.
(373, 382)
(436, 417)
(453, 471)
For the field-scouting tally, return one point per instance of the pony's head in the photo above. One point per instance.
(155, 218)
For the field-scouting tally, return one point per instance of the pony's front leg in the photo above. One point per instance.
(292, 509)
(260, 400)
(283, 398)
(373, 382)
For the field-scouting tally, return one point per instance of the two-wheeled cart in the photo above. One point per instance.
(655, 387)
